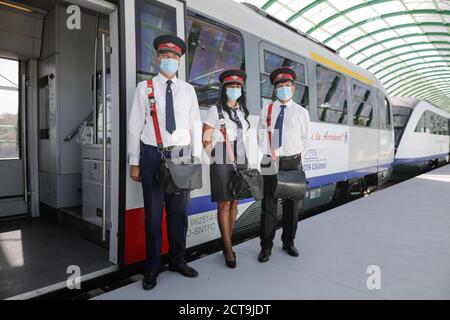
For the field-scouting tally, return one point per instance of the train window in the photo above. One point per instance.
(434, 123)
(438, 124)
(152, 20)
(401, 115)
(273, 61)
(422, 124)
(331, 96)
(362, 106)
(387, 112)
(9, 109)
(446, 127)
(212, 48)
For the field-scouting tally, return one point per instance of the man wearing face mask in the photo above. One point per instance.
(178, 117)
(289, 137)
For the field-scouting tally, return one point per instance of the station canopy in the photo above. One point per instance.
(404, 43)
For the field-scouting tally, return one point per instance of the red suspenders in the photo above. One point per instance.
(153, 114)
(269, 121)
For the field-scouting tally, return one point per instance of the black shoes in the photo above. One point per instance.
(230, 264)
(264, 255)
(290, 249)
(184, 270)
(149, 281)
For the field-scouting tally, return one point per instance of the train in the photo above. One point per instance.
(352, 135)
(422, 139)
(78, 63)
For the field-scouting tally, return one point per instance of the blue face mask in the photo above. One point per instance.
(284, 93)
(234, 93)
(169, 66)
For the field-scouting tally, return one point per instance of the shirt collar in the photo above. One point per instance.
(278, 103)
(237, 108)
(164, 79)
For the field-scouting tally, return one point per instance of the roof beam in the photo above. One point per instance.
(410, 35)
(413, 83)
(411, 65)
(399, 47)
(303, 10)
(390, 15)
(442, 34)
(268, 4)
(412, 59)
(445, 84)
(436, 95)
(444, 94)
(395, 76)
(339, 14)
(423, 83)
(405, 53)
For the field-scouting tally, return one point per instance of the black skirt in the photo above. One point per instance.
(221, 172)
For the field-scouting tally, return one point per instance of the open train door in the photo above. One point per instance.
(144, 21)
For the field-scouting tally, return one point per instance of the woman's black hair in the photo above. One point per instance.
(222, 102)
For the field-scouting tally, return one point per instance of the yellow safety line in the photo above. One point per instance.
(338, 67)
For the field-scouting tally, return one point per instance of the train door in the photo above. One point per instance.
(386, 146)
(146, 19)
(59, 142)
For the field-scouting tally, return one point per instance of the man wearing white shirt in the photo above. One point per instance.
(179, 121)
(290, 125)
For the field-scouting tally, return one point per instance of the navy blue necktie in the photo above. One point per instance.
(278, 130)
(170, 114)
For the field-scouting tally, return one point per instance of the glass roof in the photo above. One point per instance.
(405, 43)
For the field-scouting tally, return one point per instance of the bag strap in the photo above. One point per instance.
(223, 129)
(153, 114)
(269, 122)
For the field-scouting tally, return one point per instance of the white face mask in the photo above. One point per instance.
(169, 66)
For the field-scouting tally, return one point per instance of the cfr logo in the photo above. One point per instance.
(73, 21)
(374, 280)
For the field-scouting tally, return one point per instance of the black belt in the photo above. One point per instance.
(295, 156)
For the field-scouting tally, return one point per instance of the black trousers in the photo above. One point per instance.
(269, 209)
(176, 213)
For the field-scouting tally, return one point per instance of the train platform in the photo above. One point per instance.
(392, 244)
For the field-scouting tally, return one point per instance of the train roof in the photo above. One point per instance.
(245, 18)
(411, 102)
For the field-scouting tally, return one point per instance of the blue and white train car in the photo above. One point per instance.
(352, 133)
(421, 136)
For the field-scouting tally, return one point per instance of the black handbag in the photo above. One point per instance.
(173, 175)
(247, 183)
(291, 183)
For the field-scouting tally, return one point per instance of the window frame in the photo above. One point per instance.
(374, 91)
(217, 24)
(344, 77)
(180, 31)
(265, 46)
(425, 125)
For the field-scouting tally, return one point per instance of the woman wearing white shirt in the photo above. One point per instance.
(230, 110)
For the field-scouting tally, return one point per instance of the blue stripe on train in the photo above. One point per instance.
(419, 159)
(204, 203)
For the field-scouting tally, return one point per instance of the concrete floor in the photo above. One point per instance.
(402, 231)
